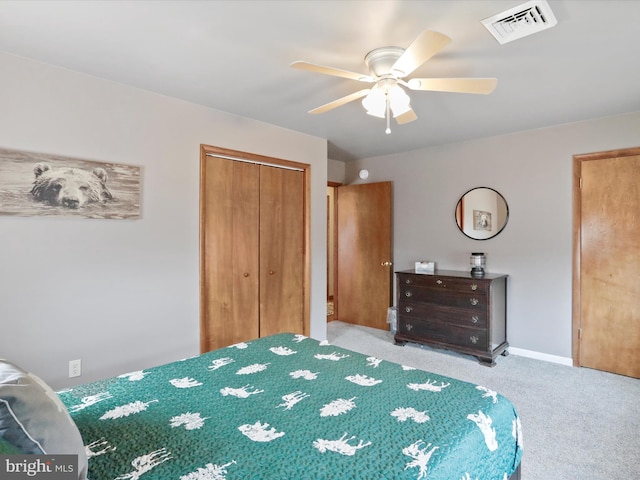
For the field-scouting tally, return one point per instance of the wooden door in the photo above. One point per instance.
(230, 248)
(364, 278)
(281, 251)
(608, 329)
(254, 247)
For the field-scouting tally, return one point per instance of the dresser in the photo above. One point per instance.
(453, 310)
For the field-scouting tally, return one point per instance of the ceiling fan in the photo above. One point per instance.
(388, 67)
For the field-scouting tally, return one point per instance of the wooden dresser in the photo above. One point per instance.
(453, 310)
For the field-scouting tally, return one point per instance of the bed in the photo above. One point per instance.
(288, 407)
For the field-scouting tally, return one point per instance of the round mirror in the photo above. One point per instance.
(482, 213)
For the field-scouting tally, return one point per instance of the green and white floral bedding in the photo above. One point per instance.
(287, 407)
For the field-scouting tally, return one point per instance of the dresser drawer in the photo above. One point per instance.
(443, 282)
(436, 313)
(413, 293)
(438, 332)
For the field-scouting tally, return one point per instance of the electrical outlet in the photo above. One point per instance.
(75, 368)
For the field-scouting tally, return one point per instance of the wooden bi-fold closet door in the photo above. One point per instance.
(281, 251)
(252, 251)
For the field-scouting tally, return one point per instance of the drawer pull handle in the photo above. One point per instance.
(408, 309)
(475, 319)
(474, 339)
(408, 281)
(408, 293)
(439, 282)
(474, 287)
(409, 327)
(474, 301)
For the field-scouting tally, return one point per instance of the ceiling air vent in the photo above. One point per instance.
(517, 22)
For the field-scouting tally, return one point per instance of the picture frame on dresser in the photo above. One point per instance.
(453, 310)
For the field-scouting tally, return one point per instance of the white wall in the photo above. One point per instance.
(122, 295)
(533, 171)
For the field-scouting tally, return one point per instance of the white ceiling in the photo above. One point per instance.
(234, 56)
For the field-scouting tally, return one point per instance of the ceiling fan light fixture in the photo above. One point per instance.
(399, 101)
(375, 103)
(388, 67)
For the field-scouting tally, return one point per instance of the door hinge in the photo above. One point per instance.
(580, 183)
(579, 333)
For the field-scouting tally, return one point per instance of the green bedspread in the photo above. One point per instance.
(287, 407)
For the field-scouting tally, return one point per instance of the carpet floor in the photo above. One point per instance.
(578, 423)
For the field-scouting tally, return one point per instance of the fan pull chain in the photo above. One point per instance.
(388, 114)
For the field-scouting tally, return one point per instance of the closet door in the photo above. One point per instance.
(609, 283)
(281, 251)
(230, 246)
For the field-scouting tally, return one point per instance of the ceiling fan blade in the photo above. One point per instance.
(425, 46)
(482, 86)
(406, 117)
(336, 72)
(341, 101)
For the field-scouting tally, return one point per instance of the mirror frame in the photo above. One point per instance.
(457, 213)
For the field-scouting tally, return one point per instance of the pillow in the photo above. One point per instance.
(33, 418)
(7, 448)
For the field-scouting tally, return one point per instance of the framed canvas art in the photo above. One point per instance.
(36, 184)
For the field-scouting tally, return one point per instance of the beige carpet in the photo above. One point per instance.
(578, 424)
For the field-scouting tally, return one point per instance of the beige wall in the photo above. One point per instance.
(533, 171)
(336, 171)
(122, 295)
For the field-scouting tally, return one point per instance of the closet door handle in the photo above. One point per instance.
(246, 274)
(271, 272)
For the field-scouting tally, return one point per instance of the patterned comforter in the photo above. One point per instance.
(287, 407)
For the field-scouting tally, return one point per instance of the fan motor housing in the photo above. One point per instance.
(382, 59)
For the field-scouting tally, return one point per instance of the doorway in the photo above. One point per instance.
(606, 278)
(332, 252)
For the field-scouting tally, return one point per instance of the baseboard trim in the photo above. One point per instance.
(541, 356)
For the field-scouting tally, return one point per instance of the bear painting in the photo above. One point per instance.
(45, 184)
(70, 187)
